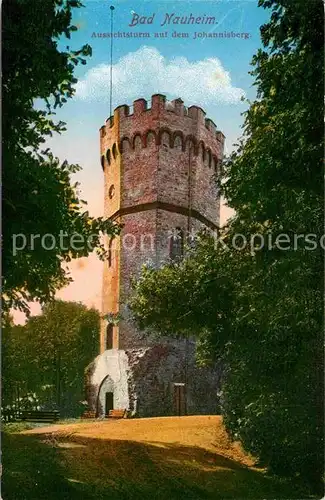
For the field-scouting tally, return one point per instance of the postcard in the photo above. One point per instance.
(162, 252)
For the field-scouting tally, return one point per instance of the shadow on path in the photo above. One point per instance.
(76, 467)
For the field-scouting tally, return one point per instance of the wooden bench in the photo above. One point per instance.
(89, 414)
(117, 414)
(40, 416)
(10, 415)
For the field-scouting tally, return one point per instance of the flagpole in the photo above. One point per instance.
(111, 65)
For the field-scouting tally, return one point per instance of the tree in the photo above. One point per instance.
(48, 355)
(260, 309)
(14, 376)
(38, 195)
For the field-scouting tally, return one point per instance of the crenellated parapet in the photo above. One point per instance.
(168, 123)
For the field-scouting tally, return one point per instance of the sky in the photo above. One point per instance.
(208, 71)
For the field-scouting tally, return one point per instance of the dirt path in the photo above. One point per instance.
(172, 458)
(205, 432)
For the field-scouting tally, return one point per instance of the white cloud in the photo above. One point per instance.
(146, 72)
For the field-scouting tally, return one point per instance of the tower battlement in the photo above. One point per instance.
(159, 104)
(159, 117)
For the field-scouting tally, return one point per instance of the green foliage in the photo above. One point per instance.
(275, 178)
(261, 311)
(181, 297)
(38, 195)
(49, 354)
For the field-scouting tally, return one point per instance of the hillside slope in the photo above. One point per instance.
(157, 458)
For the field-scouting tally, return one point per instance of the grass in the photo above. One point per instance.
(164, 458)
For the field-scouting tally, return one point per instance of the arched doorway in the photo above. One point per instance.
(105, 397)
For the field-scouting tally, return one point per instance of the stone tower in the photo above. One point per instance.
(159, 164)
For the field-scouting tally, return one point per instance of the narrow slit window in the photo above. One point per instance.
(176, 250)
(109, 337)
(110, 252)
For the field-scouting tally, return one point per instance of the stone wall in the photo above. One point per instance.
(142, 380)
(108, 373)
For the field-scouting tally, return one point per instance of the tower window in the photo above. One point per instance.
(111, 191)
(176, 249)
(109, 258)
(114, 151)
(178, 142)
(165, 141)
(151, 139)
(137, 143)
(109, 337)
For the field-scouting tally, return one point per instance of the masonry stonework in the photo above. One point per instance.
(160, 163)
